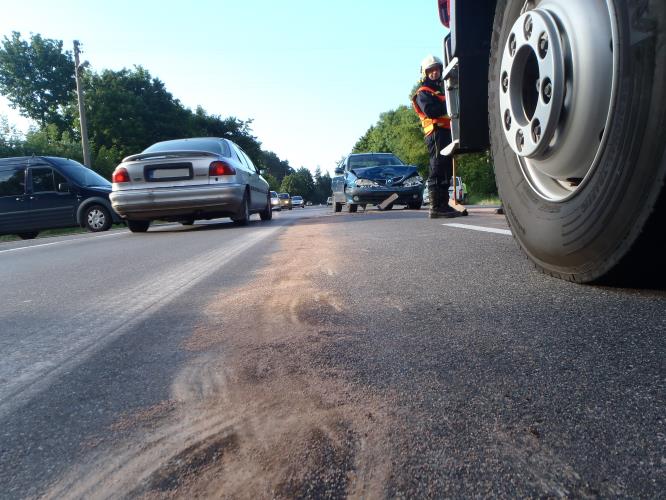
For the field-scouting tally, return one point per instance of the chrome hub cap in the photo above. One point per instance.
(556, 91)
(96, 219)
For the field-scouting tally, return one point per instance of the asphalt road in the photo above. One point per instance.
(376, 354)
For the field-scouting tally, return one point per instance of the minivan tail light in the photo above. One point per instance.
(220, 168)
(120, 175)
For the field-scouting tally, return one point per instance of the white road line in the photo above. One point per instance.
(59, 242)
(480, 228)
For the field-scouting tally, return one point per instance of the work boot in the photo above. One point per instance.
(439, 204)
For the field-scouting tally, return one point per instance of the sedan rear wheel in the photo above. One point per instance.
(138, 226)
(267, 213)
(338, 207)
(352, 208)
(243, 217)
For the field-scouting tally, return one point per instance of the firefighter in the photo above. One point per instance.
(430, 105)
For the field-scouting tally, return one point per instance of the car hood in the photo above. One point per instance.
(101, 190)
(396, 172)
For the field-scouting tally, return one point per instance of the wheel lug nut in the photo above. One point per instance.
(512, 44)
(547, 91)
(520, 140)
(536, 131)
(543, 45)
(505, 82)
(528, 27)
(507, 119)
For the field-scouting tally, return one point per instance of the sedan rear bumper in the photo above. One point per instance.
(171, 202)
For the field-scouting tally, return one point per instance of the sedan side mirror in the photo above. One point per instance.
(339, 170)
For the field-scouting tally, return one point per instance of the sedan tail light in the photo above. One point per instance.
(120, 175)
(218, 168)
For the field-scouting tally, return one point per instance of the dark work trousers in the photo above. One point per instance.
(441, 167)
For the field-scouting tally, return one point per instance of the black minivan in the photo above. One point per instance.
(47, 192)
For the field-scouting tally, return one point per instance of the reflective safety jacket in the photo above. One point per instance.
(428, 123)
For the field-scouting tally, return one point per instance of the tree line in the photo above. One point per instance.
(127, 111)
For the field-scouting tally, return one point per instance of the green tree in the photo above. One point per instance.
(273, 183)
(275, 166)
(37, 77)
(49, 141)
(11, 142)
(129, 110)
(300, 183)
(477, 172)
(322, 188)
(204, 125)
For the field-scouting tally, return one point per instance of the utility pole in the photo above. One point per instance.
(82, 111)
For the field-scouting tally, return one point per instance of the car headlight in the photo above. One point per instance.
(366, 183)
(416, 180)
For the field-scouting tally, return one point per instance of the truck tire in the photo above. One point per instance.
(577, 115)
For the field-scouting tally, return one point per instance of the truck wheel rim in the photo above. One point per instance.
(557, 84)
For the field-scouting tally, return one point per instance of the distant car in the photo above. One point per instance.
(47, 192)
(285, 200)
(329, 200)
(461, 192)
(297, 201)
(184, 180)
(370, 178)
(309, 203)
(275, 201)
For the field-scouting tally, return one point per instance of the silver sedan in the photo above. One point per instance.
(188, 179)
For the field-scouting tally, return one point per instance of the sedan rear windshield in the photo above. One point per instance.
(83, 176)
(373, 160)
(219, 147)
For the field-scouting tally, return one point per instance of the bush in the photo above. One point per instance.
(477, 173)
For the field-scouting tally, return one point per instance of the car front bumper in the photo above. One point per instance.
(169, 202)
(378, 194)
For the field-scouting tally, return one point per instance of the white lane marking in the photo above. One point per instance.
(61, 242)
(479, 228)
(32, 363)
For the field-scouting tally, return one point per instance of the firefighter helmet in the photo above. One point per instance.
(430, 62)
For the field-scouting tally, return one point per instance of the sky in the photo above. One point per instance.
(312, 76)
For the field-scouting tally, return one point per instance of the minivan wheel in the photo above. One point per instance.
(28, 236)
(96, 218)
(578, 135)
(138, 226)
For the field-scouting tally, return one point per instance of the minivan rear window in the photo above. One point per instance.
(12, 182)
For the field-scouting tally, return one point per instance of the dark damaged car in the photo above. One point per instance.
(370, 178)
